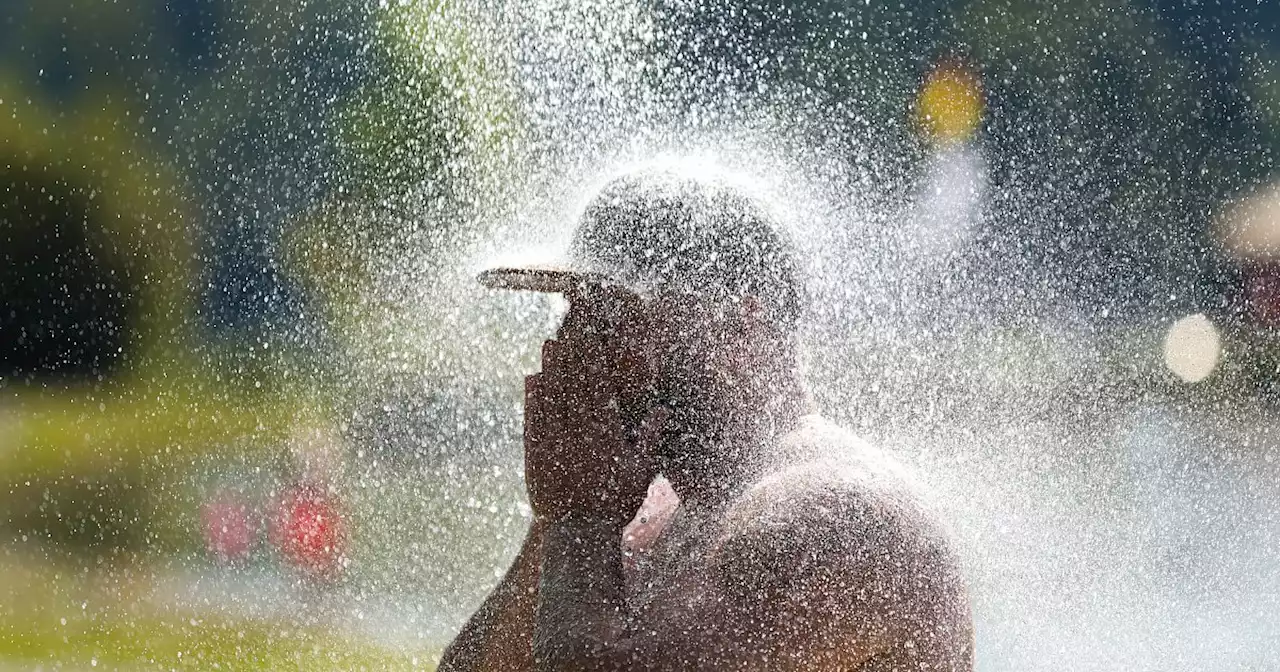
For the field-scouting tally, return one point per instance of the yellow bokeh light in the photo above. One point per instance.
(950, 104)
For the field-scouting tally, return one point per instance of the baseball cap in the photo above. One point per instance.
(660, 231)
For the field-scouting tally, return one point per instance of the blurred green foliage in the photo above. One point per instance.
(420, 140)
(135, 215)
(417, 114)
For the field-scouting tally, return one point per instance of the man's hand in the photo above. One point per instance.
(585, 457)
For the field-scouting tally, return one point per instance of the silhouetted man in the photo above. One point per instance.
(690, 510)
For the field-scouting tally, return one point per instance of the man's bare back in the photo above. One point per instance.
(834, 526)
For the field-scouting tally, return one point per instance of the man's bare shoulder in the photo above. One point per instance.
(828, 472)
(840, 528)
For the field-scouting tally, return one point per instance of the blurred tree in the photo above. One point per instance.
(95, 266)
(422, 148)
(1113, 129)
(136, 155)
(1111, 144)
(236, 99)
(844, 72)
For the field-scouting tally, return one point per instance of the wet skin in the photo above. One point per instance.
(689, 513)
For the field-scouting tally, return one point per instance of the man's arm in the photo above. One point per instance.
(584, 623)
(581, 617)
(499, 636)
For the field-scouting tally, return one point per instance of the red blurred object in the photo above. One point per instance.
(308, 528)
(1262, 293)
(229, 532)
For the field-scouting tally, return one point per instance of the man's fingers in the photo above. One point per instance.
(532, 387)
(543, 432)
(542, 412)
(594, 386)
(632, 369)
(563, 361)
(550, 354)
(627, 299)
(564, 358)
(597, 310)
(581, 318)
(534, 414)
(534, 429)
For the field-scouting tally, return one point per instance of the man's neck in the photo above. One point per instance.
(727, 451)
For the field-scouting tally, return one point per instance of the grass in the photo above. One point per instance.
(114, 465)
(62, 617)
(136, 428)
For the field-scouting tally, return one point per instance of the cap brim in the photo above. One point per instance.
(540, 278)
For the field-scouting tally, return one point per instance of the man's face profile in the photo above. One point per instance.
(677, 351)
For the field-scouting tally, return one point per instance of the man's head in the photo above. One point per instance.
(718, 278)
(712, 287)
(665, 234)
